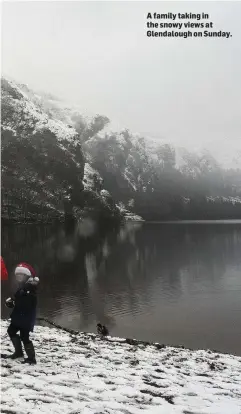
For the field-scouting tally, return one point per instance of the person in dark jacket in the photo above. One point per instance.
(23, 316)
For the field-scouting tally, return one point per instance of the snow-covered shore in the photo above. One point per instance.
(85, 374)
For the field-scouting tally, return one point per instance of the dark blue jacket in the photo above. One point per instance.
(23, 315)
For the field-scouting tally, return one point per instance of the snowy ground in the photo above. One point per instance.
(84, 374)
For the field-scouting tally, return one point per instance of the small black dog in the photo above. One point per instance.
(102, 330)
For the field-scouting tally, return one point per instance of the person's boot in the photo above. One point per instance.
(29, 349)
(18, 353)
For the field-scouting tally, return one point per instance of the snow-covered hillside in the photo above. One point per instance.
(85, 374)
(63, 119)
(145, 177)
(22, 109)
(224, 155)
(43, 162)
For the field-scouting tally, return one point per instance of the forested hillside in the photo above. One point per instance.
(55, 162)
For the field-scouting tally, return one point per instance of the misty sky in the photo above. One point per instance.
(97, 55)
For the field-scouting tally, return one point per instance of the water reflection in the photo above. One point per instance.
(163, 282)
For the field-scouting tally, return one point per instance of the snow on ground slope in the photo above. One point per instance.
(84, 374)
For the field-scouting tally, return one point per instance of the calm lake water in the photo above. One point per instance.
(174, 283)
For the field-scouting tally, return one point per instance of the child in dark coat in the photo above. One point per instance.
(23, 316)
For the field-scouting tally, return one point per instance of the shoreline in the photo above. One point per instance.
(132, 341)
(129, 219)
(82, 373)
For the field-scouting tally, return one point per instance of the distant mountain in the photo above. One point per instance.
(55, 160)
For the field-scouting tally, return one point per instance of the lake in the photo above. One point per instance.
(173, 283)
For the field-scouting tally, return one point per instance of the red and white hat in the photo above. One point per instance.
(27, 270)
